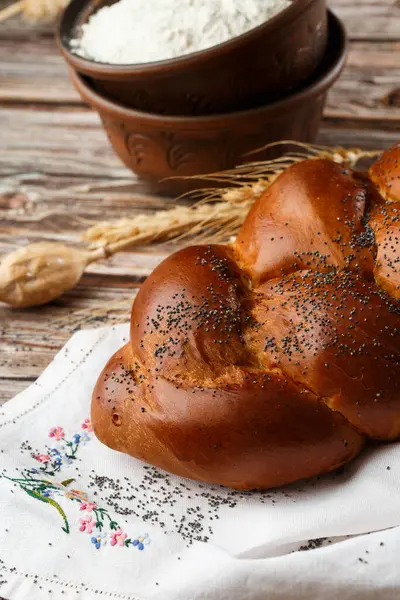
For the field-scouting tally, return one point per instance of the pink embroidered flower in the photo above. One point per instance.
(57, 433)
(89, 506)
(43, 458)
(87, 524)
(118, 537)
(87, 426)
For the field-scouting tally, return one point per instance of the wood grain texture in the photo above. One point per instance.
(10, 387)
(369, 19)
(71, 147)
(30, 338)
(365, 19)
(35, 72)
(58, 173)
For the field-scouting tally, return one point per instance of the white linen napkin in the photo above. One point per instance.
(78, 520)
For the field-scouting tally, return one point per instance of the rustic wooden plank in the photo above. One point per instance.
(30, 338)
(9, 387)
(352, 135)
(372, 76)
(63, 144)
(60, 143)
(34, 71)
(369, 19)
(364, 19)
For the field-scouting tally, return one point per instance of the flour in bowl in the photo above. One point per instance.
(140, 31)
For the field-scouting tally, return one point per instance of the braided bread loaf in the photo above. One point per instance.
(272, 360)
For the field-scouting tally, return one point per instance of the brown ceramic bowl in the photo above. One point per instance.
(158, 146)
(258, 67)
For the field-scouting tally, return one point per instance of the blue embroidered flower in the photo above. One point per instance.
(141, 541)
(96, 542)
(50, 493)
(96, 517)
(99, 540)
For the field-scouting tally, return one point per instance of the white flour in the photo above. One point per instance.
(139, 31)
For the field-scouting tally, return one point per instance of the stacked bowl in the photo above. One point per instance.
(204, 112)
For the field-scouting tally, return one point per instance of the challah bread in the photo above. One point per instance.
(274, 359)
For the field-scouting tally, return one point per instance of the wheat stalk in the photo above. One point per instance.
(34, 10)
(38, 273)
(218, 212)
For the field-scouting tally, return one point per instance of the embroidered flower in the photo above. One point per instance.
(87, 524)
(99, 540)
(57, 433)
(141, 541)
(89, 506)
(76, 495)
(87, 425)
(94, 518)
(43, 458)
(118, 537)
(50, 493)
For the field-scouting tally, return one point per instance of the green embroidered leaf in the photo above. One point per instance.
(67, 482)
(127, 542)
(49, 501)
(99, 525)
(34, 494)
(113, 525)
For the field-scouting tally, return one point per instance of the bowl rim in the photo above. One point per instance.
(315, 88)
(91, 67)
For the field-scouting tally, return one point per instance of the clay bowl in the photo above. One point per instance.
(253, 69)
(158, 146)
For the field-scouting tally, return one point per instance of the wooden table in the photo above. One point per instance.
(58, 173)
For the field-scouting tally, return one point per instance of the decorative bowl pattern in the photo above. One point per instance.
(158, 146)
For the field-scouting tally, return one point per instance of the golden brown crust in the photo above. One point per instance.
(385, 173)
(335, 334)
(385, 223)
(274, 360)
(310, 218)
(257, 428)
(187, 317)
